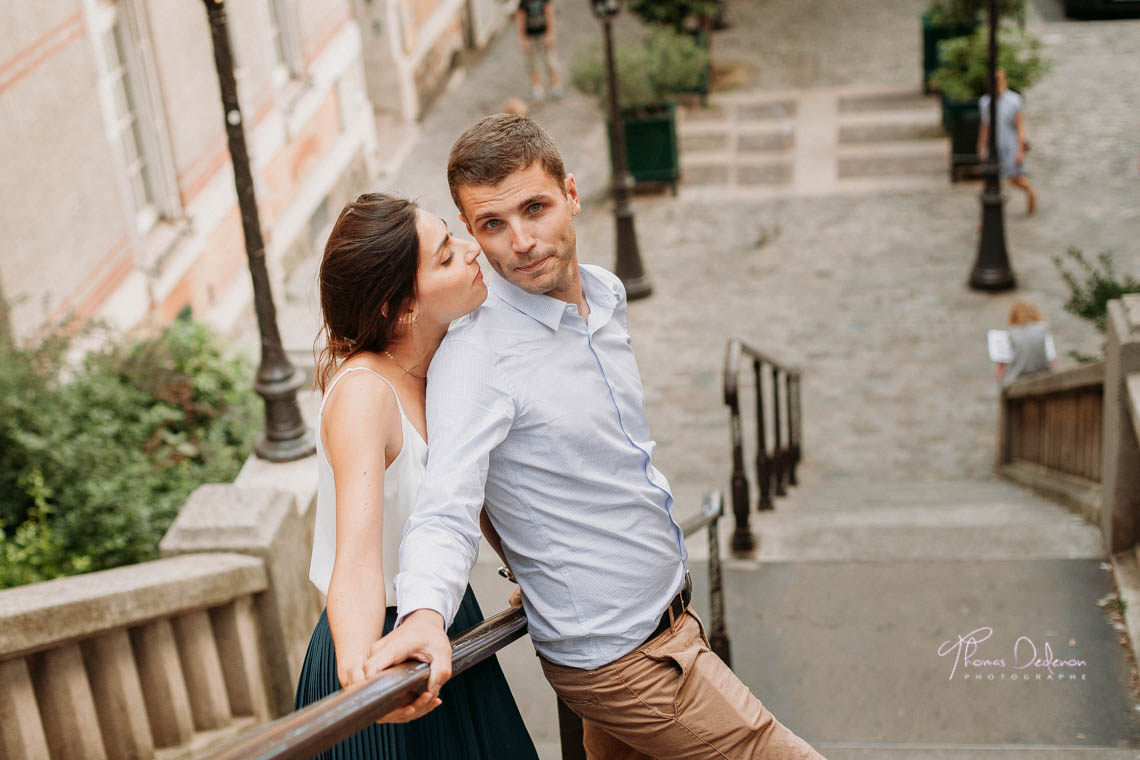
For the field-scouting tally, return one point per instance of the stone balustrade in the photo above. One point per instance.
(167, 659)
(150, 660)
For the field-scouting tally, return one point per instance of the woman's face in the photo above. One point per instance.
(449, 283)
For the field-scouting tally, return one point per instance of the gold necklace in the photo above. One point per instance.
(401, 366)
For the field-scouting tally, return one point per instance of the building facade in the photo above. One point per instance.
(118, 200)
(411, 47)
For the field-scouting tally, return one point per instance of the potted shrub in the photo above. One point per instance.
(649, 77)
(948, 19)
(695, 17)
(963, 78)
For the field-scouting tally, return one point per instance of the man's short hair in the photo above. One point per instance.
(496, 147)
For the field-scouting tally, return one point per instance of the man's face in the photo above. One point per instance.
(525, 225)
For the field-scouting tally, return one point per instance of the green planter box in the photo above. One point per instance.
(932, 34)
(961, 120)
(955, 110)
(651, 144)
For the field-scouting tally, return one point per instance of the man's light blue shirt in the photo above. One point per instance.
(542, 416)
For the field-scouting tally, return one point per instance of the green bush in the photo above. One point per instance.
(947, 12)
(965, 61)
(681, 15)
(97, 456)
(1091, 287)
(667, 63)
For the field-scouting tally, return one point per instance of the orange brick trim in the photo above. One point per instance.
(17, 67)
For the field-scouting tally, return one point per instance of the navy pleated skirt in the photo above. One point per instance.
(477, 720)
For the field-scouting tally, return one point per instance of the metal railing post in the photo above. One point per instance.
(779, 450)
(570, 733)
(743, 542)
(791, 381)
(763, 462)
(718, 630)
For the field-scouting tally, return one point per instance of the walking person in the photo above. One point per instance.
(391, 280)
(536, 408)
(536, 38)
(1010, 138)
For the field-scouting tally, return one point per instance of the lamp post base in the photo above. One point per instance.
(992, 271)
(636, 287)
(286, 438)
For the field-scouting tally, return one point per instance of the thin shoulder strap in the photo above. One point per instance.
(350, 370)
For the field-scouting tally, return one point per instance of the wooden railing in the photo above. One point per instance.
(776, 464)
(128, 662)
(322, 724)
(1056, 421)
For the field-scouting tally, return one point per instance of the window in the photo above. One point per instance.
(134, 118)
(285, 41)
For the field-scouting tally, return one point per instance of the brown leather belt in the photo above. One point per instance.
(674, 611)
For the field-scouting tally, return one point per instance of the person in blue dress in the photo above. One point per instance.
(392, 279)
(1010, 138)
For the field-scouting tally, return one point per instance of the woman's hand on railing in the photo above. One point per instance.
(424, 704)
(422, 637)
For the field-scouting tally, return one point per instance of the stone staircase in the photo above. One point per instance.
(769, 144)
(858, 585)
(868, 521)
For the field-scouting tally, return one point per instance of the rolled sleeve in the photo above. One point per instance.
(469, 412)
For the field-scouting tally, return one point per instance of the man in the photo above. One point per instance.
(535, 19)
(535, 407)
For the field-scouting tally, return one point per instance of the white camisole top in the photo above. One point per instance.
(402, 481)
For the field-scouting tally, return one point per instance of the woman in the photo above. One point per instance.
(1031, 349)
(1010, 137)
(391, 281)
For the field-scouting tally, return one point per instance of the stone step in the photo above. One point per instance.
(886, 101)
(890, 126)
(726, 140)
(942, 532)
(842, 490)
(968, 752)
(857, 167)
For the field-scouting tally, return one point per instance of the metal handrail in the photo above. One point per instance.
(775, 470)
(322, 724)
(307, 732)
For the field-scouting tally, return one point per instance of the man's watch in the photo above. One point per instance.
(506, 573)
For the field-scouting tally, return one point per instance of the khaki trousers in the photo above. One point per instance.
(672, 699)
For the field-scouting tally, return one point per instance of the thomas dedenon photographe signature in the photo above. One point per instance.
(1028, 662)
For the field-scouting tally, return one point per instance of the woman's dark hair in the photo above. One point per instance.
(367, 278)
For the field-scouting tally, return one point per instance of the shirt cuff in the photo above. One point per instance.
(412, 596)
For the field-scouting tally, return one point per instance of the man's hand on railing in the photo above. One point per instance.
(422, 636)
(515, 599)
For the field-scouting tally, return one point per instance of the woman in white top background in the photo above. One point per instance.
(391, 281)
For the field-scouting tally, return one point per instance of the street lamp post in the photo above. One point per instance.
(628, 267)
(286, 437)
(991, 268)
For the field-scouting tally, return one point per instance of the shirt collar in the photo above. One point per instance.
(548, 310)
